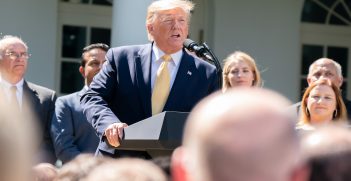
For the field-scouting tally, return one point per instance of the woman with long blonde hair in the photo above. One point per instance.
(240, 70)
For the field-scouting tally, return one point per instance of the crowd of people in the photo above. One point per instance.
(241, 131)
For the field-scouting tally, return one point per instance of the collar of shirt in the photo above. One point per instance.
(158, 53)
(156, 62)
(6, 86)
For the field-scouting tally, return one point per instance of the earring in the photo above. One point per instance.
(307, 112)
(335, 113)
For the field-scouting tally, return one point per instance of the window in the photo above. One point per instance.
(80, 24)
(334, 12)
(325, 32)
(94, 2)
(74, 39)
(310, 53)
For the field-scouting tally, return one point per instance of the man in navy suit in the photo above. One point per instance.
(71, 132)
(124, 90)
(26, 96)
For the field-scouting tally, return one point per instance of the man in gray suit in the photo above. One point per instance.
(71, 132)
(40, 100)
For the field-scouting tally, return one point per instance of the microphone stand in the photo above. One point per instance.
(212, 59)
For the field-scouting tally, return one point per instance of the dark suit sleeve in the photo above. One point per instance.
(48, 146)
(95, 101)
(214, 86)
(62, 131)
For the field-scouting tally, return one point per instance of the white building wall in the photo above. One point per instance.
(128, 22)
(269, 31)
(35, 22)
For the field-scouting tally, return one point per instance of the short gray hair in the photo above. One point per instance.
(10, 39)
(336, 65)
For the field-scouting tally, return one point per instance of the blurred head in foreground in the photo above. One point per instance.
(127, 169)
(242, 134)
(328, 152)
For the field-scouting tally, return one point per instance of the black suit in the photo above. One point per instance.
(121, 92)
(41, 102)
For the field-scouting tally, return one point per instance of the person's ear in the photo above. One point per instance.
(178, 167)
(341, 79)
(309, 81)
(82, 71)
(150, 28)
(301, 173)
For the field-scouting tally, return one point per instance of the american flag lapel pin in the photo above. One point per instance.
(189, 73)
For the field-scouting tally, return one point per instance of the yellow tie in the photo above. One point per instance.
(162, 85)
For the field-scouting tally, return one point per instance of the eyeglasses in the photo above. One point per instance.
(14, 55)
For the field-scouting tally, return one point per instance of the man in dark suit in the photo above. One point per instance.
(323, 68)
(139, 81)
(40, 100)
(71, 132)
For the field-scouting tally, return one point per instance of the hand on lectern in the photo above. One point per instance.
(114, 133)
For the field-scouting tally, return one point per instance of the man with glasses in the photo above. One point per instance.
(26, 96)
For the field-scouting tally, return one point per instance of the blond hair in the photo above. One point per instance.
(161, 5)
(234, 58)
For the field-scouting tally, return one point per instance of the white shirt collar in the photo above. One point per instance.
(7, 85)
(176, 57)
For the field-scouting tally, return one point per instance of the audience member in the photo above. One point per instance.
(139, 81)
(44, 172)
(126, 169)
(164, 162)
(328, 151)
(13, 65)
(71, 132)
(321, 104)
(78, 168)
(243, 135)
(324, 68)
(17, 142)
(240, 70)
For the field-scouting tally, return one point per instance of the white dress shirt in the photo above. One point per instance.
(6, 86)
(156, 61)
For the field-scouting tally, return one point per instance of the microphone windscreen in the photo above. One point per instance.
(188, 44)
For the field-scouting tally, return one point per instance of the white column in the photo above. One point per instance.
(128, 22)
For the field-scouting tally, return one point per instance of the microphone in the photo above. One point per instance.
(200, 51)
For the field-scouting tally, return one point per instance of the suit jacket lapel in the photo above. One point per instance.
(182, 81)
(30, 98)
(32, 107)
(143, 69)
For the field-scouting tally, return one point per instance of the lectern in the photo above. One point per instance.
(158, 135)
